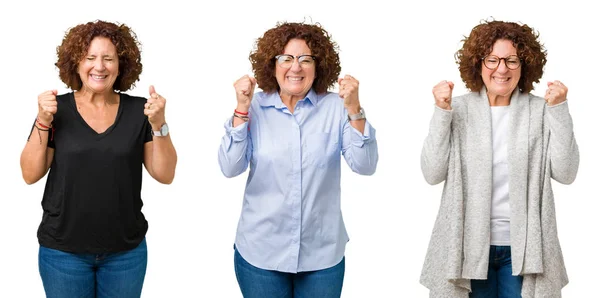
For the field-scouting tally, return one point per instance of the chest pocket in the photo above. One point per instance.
(322, 149)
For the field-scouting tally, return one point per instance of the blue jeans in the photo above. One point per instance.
(500, 282)
(93, 275)
(259, 283)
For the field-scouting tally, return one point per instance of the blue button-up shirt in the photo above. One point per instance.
(291, 217)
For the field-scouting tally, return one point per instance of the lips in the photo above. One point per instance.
(98, 77)
(295, 79)
(501, 80)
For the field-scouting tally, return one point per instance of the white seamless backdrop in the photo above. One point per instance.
(193, 52)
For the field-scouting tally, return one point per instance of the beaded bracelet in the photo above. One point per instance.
(245, 118)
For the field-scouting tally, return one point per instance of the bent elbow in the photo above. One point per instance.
(228, 173)
(433, 179)
(30, 179)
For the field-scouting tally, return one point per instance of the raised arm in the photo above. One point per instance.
(36, 157)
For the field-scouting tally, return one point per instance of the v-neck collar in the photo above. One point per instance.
(110, 128)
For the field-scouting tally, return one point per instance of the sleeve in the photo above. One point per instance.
(563, 149)
(436, 148)
(147, 130)
(235, 150)
(360, 150)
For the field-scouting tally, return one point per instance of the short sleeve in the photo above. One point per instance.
(147, 131)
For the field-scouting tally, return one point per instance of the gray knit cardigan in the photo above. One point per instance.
(458, 149)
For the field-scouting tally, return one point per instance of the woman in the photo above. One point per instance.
(497, 148)
(291, 237)
(94, 141)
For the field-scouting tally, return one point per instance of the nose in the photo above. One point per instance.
(296, 66)
(99, 64)
(502, 66)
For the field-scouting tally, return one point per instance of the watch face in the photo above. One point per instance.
(164, 130)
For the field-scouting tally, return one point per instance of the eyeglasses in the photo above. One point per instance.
(492, 62)
(286, 61)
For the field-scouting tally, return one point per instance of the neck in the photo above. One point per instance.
(498, 100)
(290, 100)
(97, 99)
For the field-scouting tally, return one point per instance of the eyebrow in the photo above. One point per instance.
(105, 55)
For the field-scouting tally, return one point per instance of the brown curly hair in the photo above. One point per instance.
(480, 43)
(272, 43)
(77, 41)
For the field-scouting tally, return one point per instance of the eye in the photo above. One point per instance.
(306, 59)
(90, 58)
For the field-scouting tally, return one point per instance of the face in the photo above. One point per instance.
(502, 80)
(99, 69)
(297, 80)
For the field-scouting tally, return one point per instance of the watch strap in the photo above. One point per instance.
(359, 116)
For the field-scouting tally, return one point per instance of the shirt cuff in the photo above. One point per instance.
(557, 105)
(238, 133)
(359, 139)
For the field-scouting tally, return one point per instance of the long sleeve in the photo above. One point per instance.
(360, 151)
(563, 150)
(235, 150)
(436, 148)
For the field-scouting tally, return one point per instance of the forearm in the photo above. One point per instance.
(233, 152)
(436, 147)
(164, 159)
(357, 124)
(34, 158)
(360, 148)
(564, 152)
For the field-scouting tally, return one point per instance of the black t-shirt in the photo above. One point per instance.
(92, 201)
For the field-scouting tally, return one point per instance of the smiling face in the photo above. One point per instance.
(502, 81)
(295, 81)
(99, 69)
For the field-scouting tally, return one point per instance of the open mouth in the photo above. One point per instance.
(98, 77)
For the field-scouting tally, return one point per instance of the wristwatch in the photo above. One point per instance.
(163, 132)
(360, 115)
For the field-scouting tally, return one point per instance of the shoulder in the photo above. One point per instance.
(466, 98)
(329, 99)
(258, 99)
(461, 102)
(536, 100)
(65, 97)
(135, 101)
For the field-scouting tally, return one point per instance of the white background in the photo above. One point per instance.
(193, 54)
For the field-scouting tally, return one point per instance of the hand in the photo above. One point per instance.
(47, 107)
(244, 90)
(556, 93)
(155, 109)
(349, 92)
(442, 93)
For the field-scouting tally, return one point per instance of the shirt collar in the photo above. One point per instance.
(274, 100)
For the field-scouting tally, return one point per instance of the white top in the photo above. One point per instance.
(500, 213)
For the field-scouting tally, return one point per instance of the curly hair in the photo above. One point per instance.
(77, 41)
(480, 43)
(272, 43)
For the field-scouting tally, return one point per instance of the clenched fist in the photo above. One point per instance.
(442, 93)
(349, 92)
(47, 107)
(244, 90)
(556, 93)
(155, 109)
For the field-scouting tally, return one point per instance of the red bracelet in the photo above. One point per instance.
(41, 124)
(241, 113)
